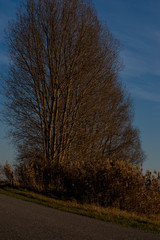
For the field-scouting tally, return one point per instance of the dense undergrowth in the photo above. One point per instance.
(119, 185)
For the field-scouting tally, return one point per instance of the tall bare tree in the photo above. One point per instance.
(64, 98)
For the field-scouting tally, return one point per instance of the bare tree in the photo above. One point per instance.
(64, 98)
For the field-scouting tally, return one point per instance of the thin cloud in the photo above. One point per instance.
(134, 65)
(145, 95)
(137, 65)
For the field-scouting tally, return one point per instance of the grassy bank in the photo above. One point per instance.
(150, 223)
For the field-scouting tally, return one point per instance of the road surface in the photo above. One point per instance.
(20, 220)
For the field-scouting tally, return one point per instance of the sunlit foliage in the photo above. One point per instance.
(116, 184)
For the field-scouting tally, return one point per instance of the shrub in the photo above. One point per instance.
(110, 184)
(8, 173)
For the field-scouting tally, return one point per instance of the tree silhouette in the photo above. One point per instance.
(65, 101)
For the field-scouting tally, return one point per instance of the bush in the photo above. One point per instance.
(110, 184)
(8, 173)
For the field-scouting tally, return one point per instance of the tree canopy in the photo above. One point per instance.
(65, 101)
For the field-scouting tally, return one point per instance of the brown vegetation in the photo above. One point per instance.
(120, 185)
(64, 97)
(69, 112)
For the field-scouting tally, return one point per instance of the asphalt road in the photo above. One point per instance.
(20, 220)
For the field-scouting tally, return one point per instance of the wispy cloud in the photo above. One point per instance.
(145, 95)
(137, 29)
(134, 65)
(137, 65)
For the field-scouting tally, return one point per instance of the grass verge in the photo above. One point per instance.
(150, 224)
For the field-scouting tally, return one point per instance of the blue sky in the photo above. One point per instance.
(136, 24)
